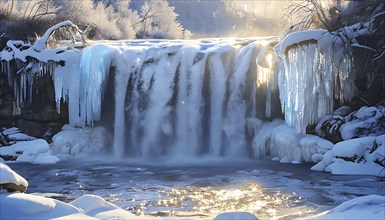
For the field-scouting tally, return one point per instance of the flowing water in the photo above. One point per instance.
(201, 188)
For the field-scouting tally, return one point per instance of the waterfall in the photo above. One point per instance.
(184, 98)
(190, 97)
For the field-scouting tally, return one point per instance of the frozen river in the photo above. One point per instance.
(201, 189)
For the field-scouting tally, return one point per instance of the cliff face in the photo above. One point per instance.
(37, 118)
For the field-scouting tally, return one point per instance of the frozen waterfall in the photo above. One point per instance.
(181, 98)
(190, 97)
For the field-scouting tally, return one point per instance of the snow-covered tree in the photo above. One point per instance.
(98, 19)
(159, 20)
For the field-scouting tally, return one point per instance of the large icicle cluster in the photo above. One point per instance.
(316, 70)
(23, 63)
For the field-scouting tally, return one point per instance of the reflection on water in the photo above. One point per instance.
(267, 189)
(249, 197)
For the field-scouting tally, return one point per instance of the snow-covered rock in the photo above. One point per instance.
(10, 180)
(14, 134)
(361, 156)
(366, 207)
(29, 151)
(367, 121)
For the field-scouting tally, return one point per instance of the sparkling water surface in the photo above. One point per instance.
(201, 188)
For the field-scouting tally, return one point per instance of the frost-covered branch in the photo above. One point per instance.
(41, 43)
(21, 50)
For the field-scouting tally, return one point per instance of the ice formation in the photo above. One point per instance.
(316, 70)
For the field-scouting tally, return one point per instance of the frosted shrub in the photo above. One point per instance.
(22, 19)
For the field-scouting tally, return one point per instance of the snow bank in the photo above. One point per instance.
(366, 207)
(361, 156)
(8, 176)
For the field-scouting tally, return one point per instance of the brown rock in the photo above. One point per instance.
(11, 187)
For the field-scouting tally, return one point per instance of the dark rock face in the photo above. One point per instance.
(329, 126)
(11, 187)
(38, 116)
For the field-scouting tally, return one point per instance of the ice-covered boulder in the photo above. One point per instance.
(10, 180)
(72, 141)
(278, 140)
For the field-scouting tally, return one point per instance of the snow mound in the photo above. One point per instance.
(366, 207)
(92, 204)
(8, 176)
(27, 206)
(22, 206)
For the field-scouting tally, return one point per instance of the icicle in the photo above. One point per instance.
(310, 82)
